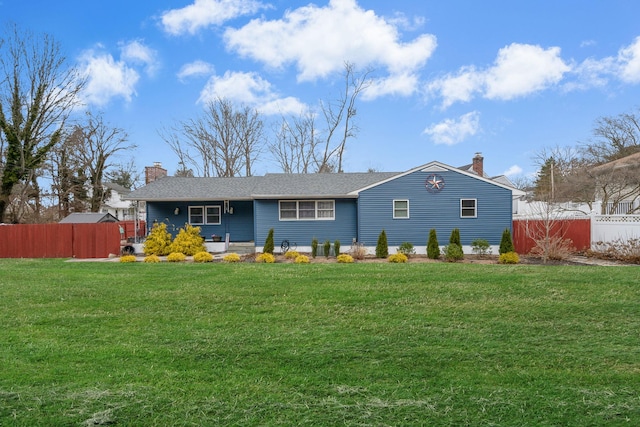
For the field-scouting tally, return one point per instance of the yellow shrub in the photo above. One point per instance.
(231, 258)
(301, 259)
(291, 255)
(152, 258)
(345, 258)
(509, 258)
(128, 258)
(398, 258)
(266, 258)
(176, 257)
(188, 241)
(158, 241)
(203, 257)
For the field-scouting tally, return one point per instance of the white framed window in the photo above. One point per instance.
(400, 209)
(307, 210)
(204, 215)
(468, 208)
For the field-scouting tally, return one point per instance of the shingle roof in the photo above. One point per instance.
(88, 218)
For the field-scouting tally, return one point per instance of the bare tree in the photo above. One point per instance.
(224, 141)
(295, 145)
(613, 138)
(68, 175)
(37, 93)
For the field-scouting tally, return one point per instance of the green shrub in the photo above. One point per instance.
(314, 248)
(406, 248)
(327, 248)
(291, 254)
(509, 258)
(158, 240)
(454, 239)
(345, 259)
(433, 249)
(336, 247)
(506, 243)
(398, 258)
(382, 248)
(152, 259)
(203, 257)
(266, 258)
(128, 258)
(188, 241)
(453, 253)
(268, 244)
(301, 259)
(232, 257)
(176, 257)
(481, 247)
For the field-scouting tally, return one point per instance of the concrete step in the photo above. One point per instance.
(242, 248)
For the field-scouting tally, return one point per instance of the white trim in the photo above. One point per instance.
(316, 210)
(475, 208)
(204, 215)
(400, 209)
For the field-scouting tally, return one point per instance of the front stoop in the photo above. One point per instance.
(242, 248)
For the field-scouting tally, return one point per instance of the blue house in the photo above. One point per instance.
(349, 207)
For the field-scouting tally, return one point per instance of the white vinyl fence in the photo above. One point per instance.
(611, 228)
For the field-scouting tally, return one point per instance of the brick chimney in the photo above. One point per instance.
(478, 164)
(151, 173)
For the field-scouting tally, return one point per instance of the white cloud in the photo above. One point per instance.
(451, 132)
(513, 170)
(204, 13)
(252, 90)
(138, 53)
(106, 78)
(318, 41)
(629, 60)
(519, 70)
(196, 68)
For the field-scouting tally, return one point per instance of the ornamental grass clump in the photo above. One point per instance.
(398, 258)
(301, 259)
(345, 259)
(232, 257)
(188, 241)
(266, 258)
(509, 258)
(176, 257)
(291, 254)
(203, 257)
(152, 259)
(128, 258)
(158, 240)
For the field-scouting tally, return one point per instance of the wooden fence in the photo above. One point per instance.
(63, 240)
(578, 230)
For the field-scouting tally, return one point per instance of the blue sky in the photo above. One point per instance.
(452, 78)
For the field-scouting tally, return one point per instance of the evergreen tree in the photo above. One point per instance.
(454, 239)
(382, 248)
(506, 244)
(268, 244)
(433, 249)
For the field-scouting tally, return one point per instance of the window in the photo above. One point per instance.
(204, 215)
(468, 208)
(400, 209)
(310, 210)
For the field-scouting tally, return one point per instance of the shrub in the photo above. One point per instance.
(453, 253)
(406, 248)
(433, 249)
(336, 247)
(152, 259)
(266, 258)
(203, 257)
(128, 258)
(382, 248)
(176, 257)
(327, 248)
(158, 240)
(232, 257)
(188, 241)
(345, 259)
(314, 248)
(554, 247)
(268, 244)
(291, 254)
(509, 258)
(454, 239)
(506, 243)
(301, 259)
(358, 251)
(481, 247)
(398, 258)
(627, 250)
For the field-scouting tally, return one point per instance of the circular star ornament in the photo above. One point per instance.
(434, 183)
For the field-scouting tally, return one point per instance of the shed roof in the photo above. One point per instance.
(88, 218)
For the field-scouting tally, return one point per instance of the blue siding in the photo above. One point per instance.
(343, 228)
(434, 210)
(239, 225)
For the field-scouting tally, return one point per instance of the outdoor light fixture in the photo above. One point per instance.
(176, 211)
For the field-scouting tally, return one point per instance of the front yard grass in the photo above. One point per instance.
(335, 344)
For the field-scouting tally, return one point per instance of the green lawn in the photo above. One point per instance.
(320, 344)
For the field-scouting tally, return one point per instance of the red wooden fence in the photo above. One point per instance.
(59, 240)
(578, 230)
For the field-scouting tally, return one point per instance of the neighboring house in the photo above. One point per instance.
(349, 207)
(88, 218)
(117, 206)
(618, 186)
